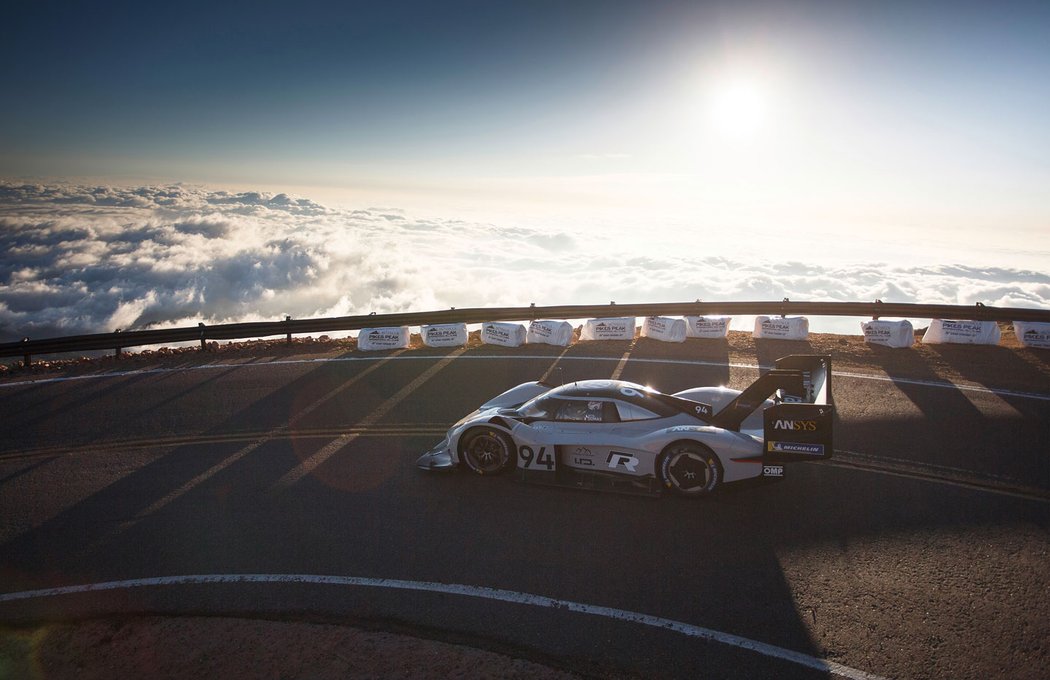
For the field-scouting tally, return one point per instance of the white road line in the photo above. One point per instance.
(940, 384)
(946, 385)
(962, 479)
(499, 595)
(342, 388)
(623, 362)
(310, 464)
(550, 370)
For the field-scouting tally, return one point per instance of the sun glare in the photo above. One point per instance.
(737, 108)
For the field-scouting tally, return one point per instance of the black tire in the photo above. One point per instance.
(689, 469)
(487, 451)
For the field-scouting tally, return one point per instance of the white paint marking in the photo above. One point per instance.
(944, 384)
(960, 478)
(618, 371)
(310, 464)
(499, 595)
(550, 370)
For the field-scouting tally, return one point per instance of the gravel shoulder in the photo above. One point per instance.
(215, 647)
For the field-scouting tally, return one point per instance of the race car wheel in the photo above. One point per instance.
(487, 451)
(689, 469)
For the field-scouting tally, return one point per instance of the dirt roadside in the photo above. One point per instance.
(1006, 366)
(215, 647)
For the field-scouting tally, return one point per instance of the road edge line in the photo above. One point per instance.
(499, 595)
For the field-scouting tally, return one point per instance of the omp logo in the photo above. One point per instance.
(624, 460)
(795, 425)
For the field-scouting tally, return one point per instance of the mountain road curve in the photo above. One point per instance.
(284, 486)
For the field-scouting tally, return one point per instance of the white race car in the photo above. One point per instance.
(617, 434)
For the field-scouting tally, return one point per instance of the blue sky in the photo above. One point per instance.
(829, 133)
(336, 91)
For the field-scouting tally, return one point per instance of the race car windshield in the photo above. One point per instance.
(540, 408)
(547, 407)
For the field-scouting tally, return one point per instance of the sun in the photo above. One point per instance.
(737, 108)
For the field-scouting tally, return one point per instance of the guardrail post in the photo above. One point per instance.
(27, 360)
(204, 345)
(288, 320)
(875, 317)
(117, 350)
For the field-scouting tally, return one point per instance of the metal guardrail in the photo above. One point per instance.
(27, 348)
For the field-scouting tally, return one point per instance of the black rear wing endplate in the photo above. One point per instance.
(799, 425)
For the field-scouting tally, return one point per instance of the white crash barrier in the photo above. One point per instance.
(782, 328)
(394, 337)
(664, 328)
(619, 328)
(1033, 333)
(505, 334)
(550, 333)
(444, 335)
(943, 331)
(888, 333)
(707, 326)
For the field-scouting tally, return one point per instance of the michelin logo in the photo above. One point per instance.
(789, 447)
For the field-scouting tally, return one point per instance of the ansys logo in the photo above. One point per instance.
(795, 425)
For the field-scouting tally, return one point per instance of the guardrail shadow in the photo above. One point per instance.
(60, 542)
(909, 369)
(67, 403)
(768, 350)
(940, 425)
(986, 364)
(711, 355)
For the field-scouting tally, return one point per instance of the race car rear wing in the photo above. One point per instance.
(798, 426)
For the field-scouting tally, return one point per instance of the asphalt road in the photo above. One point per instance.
(920, 551)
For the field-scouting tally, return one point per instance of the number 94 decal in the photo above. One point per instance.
(534, 460)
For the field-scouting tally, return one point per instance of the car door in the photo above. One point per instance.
(588, 434)
(576, 433)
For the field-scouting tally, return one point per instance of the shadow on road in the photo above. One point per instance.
(975, 367)
(767, 351)
(369, 512)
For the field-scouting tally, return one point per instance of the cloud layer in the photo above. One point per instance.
(94, 259)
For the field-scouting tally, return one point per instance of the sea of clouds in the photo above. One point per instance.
(79, 259)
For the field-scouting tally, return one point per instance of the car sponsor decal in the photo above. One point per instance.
(796, 425)
(704, 410)
(582, 456)
(529, 459)
(772, 470)
(625, 460)
(795, 447)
